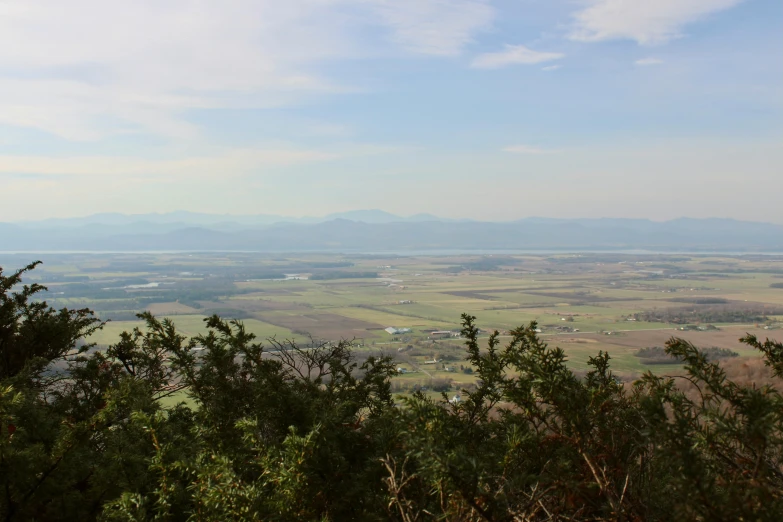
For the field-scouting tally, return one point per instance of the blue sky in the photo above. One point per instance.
(463, 108)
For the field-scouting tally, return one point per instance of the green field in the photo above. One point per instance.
(582, 303)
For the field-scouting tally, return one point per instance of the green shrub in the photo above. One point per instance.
(219, 427)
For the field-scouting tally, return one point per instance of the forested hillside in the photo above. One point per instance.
(222, 427)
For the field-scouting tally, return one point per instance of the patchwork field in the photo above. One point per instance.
(581, 302)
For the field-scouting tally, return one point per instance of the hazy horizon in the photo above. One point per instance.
(480, 109)
(352, 214)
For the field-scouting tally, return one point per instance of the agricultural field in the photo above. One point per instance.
(582, 303)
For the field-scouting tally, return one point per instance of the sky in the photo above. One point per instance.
(483, 109)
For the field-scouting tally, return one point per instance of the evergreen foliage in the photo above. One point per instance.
(283, 432)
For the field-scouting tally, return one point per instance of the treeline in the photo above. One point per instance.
(119, 315)
(289, 433)
(321, 276)
(700, 300)
(707, 315)
(659, 355)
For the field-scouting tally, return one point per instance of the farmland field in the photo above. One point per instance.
(581, 302)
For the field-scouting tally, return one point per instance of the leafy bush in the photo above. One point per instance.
(285, 432)
(441, 385)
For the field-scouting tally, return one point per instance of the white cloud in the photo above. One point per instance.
(551, 68)
(435, 27)
(512, 55)
(646, 21)
(648, 61)
(527, 149)
(85, 69)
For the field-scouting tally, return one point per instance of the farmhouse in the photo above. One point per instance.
(396, 331)
(441, 334)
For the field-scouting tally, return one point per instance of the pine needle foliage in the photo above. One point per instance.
(279, 431)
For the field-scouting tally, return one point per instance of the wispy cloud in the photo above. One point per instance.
(551, 68)
(140, 66)
(649, 61)
(513, 55)
(434, 27)
(527, 149)
(646, 21)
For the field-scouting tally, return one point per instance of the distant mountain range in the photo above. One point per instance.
(378, 231)
(183, 218)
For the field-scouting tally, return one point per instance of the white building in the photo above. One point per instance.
(397, 331)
